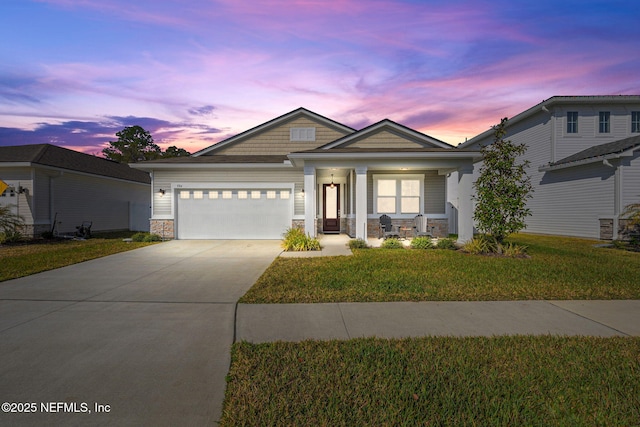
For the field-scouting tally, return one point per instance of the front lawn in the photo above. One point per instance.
(42, 255)
(558, 268)
(508, 381)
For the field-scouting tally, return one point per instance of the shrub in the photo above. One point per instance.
(10, 236)
(481, 244)
(422, 243)
(48, 235)
(139, 237)
(152, 238)
(295, 239)
(358, 244)
(449, 244)
(392, 243)
(512, 250)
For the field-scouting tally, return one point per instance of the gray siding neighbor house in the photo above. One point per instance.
(585, 162)
(48, 182)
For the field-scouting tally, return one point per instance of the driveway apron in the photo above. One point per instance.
(137, 338)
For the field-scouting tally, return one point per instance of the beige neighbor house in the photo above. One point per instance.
(47, 183)
(585, 163)
(305, 170)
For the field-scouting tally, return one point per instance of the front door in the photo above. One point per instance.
(331, 210)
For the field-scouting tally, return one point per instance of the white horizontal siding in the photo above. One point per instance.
(162, 206)
(571, 201)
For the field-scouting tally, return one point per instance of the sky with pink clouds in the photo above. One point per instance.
(74, 72)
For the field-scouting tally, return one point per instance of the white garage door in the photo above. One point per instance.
(246, 213)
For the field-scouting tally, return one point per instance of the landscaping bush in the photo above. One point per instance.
(480, 245)
(392, 243)
(146, 237)
(422, 243)
(358, 244)
(512, 250)
(152, 238)
(295, 239)
(448, 244)
(139, 237)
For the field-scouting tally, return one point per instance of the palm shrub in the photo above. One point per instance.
(295, 239)
(481, 244)
(10, 225)
(632, 214)
(392, 243)
(422, 243)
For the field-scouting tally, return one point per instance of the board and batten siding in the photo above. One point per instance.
(434, 189)
(164, 179)
(276, 141)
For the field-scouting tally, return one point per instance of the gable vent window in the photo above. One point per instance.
(302, 134)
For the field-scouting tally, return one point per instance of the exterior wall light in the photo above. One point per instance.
(161, 192)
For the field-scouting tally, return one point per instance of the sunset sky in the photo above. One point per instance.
(194, 72)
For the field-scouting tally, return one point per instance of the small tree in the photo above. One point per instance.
(503, 187)
(134, 144)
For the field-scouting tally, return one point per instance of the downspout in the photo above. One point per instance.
(52, 212)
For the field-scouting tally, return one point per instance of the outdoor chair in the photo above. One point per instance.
(84, 231)
(387, 228)
(421, 227)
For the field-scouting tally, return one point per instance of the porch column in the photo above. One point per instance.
(361, 202)
(310, 200)
(465, 205)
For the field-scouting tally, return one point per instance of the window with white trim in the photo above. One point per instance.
(302, 134)
(398, 194)
(635, 122)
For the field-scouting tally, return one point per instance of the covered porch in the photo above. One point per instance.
(347, 190)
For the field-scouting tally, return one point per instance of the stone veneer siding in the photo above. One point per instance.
(163, 228)
(441, 226)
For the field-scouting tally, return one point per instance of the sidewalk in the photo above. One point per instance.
(258, 323)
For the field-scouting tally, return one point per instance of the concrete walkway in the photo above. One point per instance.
(258, 323)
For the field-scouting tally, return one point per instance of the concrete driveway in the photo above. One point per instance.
(138, 338)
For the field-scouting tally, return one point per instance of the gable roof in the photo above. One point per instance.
(551, 102)
(299, 112)
(63, 158)
(420, 138)
(610, 150)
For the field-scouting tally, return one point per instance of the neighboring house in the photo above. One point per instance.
(47, 182)
(585, 162)
(305, 170)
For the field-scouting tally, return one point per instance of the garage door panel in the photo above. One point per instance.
(243, 216)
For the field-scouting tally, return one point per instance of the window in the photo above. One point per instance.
(213, 194)
(635, 122)
(302, 134)
(242, 194)
(198, 194)
(227, 194)
(284, 194)
(255, 194)
(185, 194)
(271, 194)
(572, 122)
(605, 118)
(398, 194)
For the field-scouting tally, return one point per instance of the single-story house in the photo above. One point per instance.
(584, 154)
(50, 184)
(305, 170)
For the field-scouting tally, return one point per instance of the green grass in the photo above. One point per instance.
(502, 381)
(30, 258)
(558, 268)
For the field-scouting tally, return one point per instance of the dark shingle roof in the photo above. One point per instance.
(62, 158)
(602, 150)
